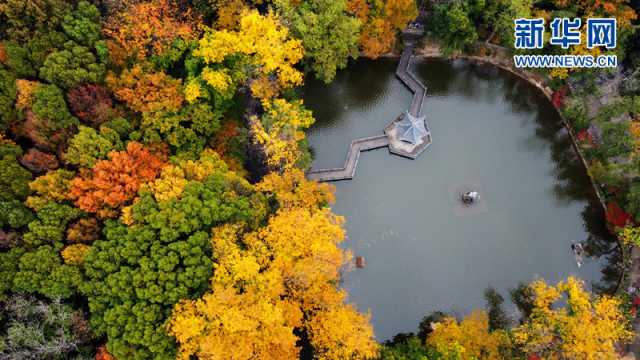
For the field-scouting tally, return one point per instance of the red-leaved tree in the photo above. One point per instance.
(91, 103)
(616, 216)
(558, 96)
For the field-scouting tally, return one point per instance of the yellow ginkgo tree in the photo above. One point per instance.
(586, 327)
(274, 290)
(279, 132)
(260, 54)
(469, 338)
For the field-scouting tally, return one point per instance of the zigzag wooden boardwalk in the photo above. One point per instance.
(375, 142)
(349, 169)
(418, 89)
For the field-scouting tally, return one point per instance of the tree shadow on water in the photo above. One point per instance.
(361, 85)
(572, 183)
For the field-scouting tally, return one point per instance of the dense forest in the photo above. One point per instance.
(153, 199)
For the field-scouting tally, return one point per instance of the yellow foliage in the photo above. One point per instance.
(218, 79)
(247, 322)
(263, 40)
(53, 186)
(634, 129)
(4, 140)
(342, 333)
(208, 163)
(25, 89)
(587, 327)
(559, 73)
(630, 236)
(269, 282)
(292, 189)
(174, 178)
(280, 130)
(127, 215)
(264, 88)
(170, 184)
(75, 254)
(400, 12)
(229, 13)
(472, 335)
(192, 91)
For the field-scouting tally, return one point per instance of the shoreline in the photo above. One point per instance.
(431, 52)
(630, 274)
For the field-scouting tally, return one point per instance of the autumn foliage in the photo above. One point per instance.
(588, 327)
(265, 43)
(279, 132)
(3, 54)
(149, 28)
(273, 282)
(377, 38)
(74, 254)
(144, 90)
(113, 183)
(91, 104)
(293, 190)
(85, 230)
(558, 97)
(38, 161)
(103, 354)
(616, 216)
(471, 335)
(382, 20)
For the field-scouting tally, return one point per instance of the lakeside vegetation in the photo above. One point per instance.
(153, 201)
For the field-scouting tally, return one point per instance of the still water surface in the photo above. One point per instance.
(423, 252)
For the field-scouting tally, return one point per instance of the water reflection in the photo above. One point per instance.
(366, 83)
(491, 129)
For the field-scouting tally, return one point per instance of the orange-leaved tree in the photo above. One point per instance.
(146, 90)
(148, 28)
(381, 22)
(113, 183)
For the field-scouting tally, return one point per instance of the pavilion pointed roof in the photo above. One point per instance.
(411, 128)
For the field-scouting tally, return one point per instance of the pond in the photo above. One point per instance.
(491, 131)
